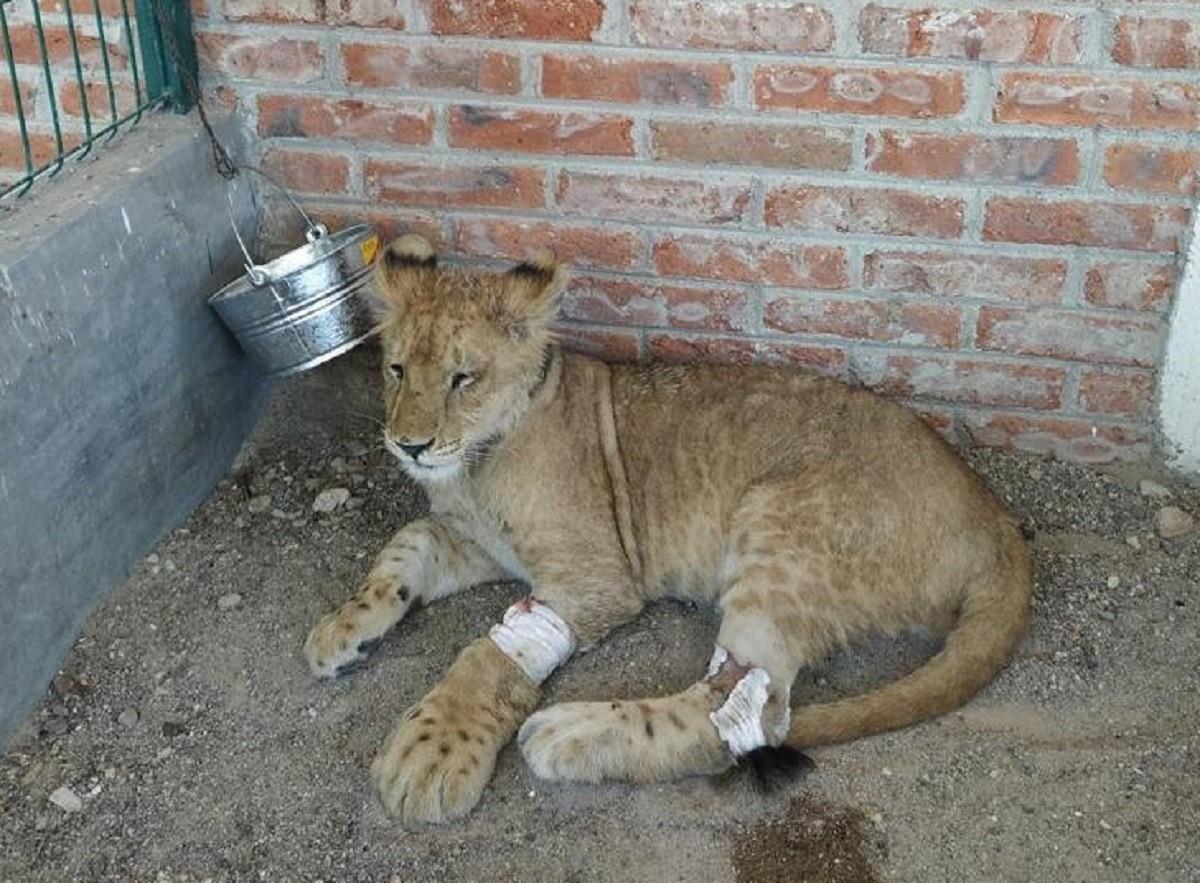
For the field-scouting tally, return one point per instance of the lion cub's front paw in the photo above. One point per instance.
(434, 766)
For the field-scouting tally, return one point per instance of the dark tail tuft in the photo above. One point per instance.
(772, 768)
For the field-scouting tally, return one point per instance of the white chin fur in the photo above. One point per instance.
(431, 472)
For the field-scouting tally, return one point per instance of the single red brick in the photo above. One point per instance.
(71, 103)
(536, 131)
(1069, 439)
(1019, 35)
(274, 11)
(1115, 340)
(970, 381)
(418, 184)
(1130, 285)
(27, 89)
(688, 83)
(771, 25)
(653, 197)
(955, 274)
(878, 91)
(864, 210)
(42, 148)
(596, 246)
(674, 349)
(1112, 391)
(525, 19)
(309, 171)
(108, 8)
(1152, 169)
(611, 346)
(897, 322)
(1104, 224)
(828, 360)
(433, 67)
(27, 48)
(389, 225)
(644, 303)
(1157, 42)
(974, 157)
(310, 116)
(781, 146)
(751, 259)
(266, 59)
(1077, 100)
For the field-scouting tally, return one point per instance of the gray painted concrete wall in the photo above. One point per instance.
(122, 397)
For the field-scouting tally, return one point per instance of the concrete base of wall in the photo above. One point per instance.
(122, 397)
(1179, 390)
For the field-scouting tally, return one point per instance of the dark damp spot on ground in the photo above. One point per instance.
(812, 842)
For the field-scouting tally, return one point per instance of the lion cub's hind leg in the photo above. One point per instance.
(648, 740)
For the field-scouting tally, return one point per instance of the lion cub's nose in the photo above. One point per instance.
(413, 450)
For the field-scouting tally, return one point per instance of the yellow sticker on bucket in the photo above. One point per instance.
(369, 247)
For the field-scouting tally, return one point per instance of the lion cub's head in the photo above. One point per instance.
(463, 353)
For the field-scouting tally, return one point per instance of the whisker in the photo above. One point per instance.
(371, 417)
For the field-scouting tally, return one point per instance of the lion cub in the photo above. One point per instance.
(809, 512)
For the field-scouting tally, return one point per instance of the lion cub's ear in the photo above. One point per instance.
(403, 269)
(533, 291)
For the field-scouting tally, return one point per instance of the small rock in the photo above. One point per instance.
(152, 558)
(1154, 490)
(56, 726)
(311, 484)
(66, 799)
(1133, 542)
(1113, 581)
(1173, 522)
(229, 601)
(64, 685)
(278, 513)
(129, 717)
(330, 499)
(42, 823)
(259, 504)
(171, 729)
(355, 448)
(337, 464)
(239, 522)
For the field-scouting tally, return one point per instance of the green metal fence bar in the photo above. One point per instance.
(133, 64)
(153, 47)
(41, 34)
(83, 96)
(108, 80)
(19, 105)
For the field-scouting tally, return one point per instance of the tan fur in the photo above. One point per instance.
(810, 512)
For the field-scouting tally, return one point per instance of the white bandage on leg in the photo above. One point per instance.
(534, 637)
(739, 719)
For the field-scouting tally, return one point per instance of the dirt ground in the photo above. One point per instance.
(197, 747)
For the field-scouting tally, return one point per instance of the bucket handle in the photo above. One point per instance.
(312, 230)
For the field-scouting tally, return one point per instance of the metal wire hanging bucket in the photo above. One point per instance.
(303, 308)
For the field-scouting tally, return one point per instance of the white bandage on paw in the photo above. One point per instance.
(534, 637)
(739, 719)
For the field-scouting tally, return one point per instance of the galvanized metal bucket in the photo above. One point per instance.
(303, 308)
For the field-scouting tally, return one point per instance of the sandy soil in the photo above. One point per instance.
(186, 724)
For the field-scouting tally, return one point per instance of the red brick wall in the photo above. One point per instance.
(977, 208)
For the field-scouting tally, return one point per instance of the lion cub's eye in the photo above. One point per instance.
(461, 379)
(397, 370)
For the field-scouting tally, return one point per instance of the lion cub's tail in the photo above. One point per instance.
(993, 618)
